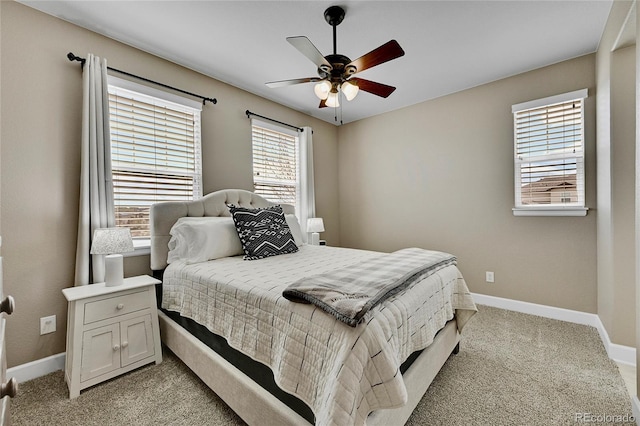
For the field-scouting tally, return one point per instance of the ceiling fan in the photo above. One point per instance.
(336, 71)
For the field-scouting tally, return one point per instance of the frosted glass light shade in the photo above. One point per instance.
(322, 89)
(111, 241)
(350, 90)
(332, 100)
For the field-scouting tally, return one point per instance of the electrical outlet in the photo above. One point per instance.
(47, 324)
(490, 277)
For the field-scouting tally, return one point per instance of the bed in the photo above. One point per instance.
(274, 361)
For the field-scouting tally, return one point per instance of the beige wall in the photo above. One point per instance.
(40, 163)
(614, 226)
(0, 132)
(440, 175)
(636, 402)
(623, 124)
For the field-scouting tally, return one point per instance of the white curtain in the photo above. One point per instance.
(307, 192)
(96, 187)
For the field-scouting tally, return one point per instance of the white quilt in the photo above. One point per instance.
(343, 373)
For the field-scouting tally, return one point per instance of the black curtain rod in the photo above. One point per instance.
(249, 114)
(214, 101)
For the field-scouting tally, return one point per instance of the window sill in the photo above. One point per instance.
(550, 211)
(141, 247)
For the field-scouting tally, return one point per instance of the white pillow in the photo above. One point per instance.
(198, 239)
(294, 226)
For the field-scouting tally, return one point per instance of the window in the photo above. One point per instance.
(549, 156)
(155, 151)
(276, 173)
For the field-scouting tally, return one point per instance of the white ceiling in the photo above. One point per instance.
(450, 45)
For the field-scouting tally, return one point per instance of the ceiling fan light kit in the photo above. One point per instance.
(350, 90)
(322, 89)
(336, 71)
(333, 100)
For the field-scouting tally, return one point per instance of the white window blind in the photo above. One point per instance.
(275, 162)
(155, 154)
(549, 152)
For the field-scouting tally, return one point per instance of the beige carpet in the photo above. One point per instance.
(512, 369)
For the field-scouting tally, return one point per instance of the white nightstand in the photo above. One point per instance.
(110, 330)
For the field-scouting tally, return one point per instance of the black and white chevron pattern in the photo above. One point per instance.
(263, 232)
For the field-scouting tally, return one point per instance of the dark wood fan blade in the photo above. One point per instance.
(307, 48)
(274, 84)
(323, 103)
(378, 89)
(386, 52)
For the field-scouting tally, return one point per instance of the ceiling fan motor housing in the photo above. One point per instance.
(340, 71)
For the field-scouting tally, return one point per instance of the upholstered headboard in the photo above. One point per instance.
(164, 215)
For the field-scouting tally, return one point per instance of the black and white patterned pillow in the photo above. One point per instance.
(263, 232)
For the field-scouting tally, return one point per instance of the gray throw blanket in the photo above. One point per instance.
(349, 293)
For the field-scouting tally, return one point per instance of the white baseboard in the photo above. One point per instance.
(618, 353)
(37, 368)
(635, 409)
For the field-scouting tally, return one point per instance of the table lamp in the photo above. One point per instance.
(315, 225)
(112, 242)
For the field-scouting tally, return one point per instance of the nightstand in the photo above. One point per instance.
(110, 331)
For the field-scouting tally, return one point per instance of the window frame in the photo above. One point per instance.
(579, 209)
(142, 244)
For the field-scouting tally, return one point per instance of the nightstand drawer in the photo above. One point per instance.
(115, 306)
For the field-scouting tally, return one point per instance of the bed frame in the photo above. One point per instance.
(249, 400)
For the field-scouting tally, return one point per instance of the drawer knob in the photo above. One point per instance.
(9, 389)
(120, 306)
(8, 305)
(125, 344)
(116, 348)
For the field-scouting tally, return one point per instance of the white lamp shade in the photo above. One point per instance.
(332, 100)
(350, 90)
(111, 241)
(322, 89)
(315, 224)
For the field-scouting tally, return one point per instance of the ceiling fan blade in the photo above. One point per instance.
(323, 103)
(386, 52)
(274, 84)
(378, 89)
(307, 48)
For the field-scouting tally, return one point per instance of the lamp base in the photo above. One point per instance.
(113, 270)
(315, 238)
